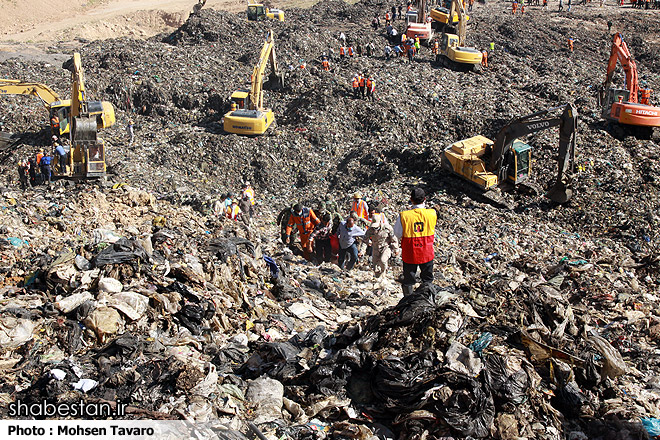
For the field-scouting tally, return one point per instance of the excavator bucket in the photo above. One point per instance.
(559, 193)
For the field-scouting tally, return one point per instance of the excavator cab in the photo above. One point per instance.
(239, 97)
(258, 12)
(522, 160)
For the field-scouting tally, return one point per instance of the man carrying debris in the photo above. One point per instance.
(383, 244)
(348, 232)
(305, 220)
(415, 228)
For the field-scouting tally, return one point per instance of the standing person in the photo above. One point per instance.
(24, 173)
(351, 52)
(342, 53)
(44, 164)
(371, 88)
(55, 125)
(249, 193)
(570, 3)
(360, 207)
(362, 82)
(129, 131)
(40, 155)
(342, 37)
(325, 63)
(545, 4)
(401, 12)
(61, 157)
(484, 59)
(383, 244)
(415, 228)
(417, 45)
(305, 221)
(514, 7)
(388, 18)
(388, 52)
(561, 5)
(375, 22)
(570, 41)
(356, 85)
(348, 232)
(411, 53)
(246, 209)
(32, 162)
(394, 13)
(321, 238)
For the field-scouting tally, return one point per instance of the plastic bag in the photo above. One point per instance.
(506, 378)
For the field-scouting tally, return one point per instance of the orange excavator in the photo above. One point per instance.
(629, 109)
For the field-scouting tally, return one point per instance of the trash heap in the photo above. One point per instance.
(542, 322)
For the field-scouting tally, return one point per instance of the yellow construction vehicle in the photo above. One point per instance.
(453, 52)
(101, 110)
(248, 115)
(86, 155)
(507, 161)
(258, 12)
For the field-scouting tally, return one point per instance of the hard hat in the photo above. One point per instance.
(357, 195)
(234, 201)
(54, 138)
(247, 183)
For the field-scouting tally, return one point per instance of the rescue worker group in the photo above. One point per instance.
(327, 236)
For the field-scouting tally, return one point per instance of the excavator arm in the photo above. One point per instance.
(267, 54)
(621, 53)
(78, 98)
(533, 123)
(17, 87)
(461, 27)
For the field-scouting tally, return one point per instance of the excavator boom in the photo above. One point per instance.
(17, 87)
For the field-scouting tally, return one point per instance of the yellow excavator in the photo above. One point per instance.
(453, 52)
(86, 155)
(258, 12)
(508, 160)
(248, 115)
(101, 110)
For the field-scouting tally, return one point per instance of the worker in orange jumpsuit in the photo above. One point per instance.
(436, 47)
(325, 64)
(342, 52)
(570, 44)
(361, 82)
(305, 220)
(484, 59)
(514, 7)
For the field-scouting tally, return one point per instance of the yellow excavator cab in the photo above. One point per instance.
(240, 97)
(257, 12)
(248, 122)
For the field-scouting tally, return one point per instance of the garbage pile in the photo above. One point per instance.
(542, 321)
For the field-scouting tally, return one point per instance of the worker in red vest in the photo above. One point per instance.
(305, 220)
(415, 228)
(342, 52)
(361, 81)
(325, 64)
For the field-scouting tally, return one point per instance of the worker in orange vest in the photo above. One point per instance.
(342, 52)
(360, 207)
(40, 155)
(325, 63)
(350, 51)
(484, 59)
(645, 96)
(55, 125)
(570, 44)
(356, 85)
(387, 18)
(305, 220)
(415, 229)
(514, 7)
(436, 47)
(371, 88)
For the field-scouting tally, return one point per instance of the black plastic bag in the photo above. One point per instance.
(122, 251)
